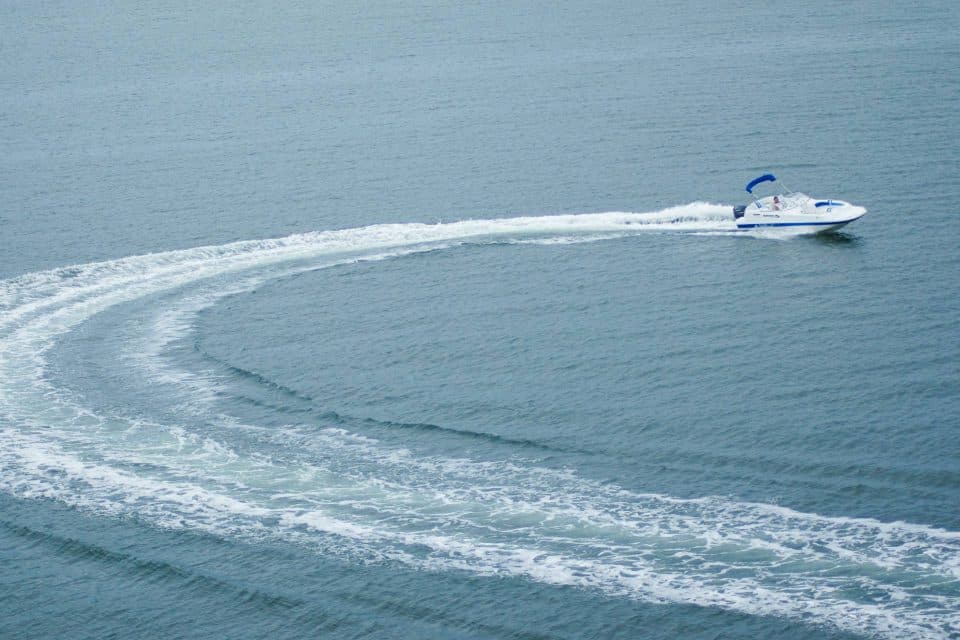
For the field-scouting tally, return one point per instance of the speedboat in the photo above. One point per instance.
(792, 210)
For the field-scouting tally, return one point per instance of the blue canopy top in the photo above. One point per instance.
(767, 177)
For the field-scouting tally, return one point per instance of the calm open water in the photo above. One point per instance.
(399, 320)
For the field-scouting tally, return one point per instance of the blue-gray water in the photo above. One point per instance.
(451, 397)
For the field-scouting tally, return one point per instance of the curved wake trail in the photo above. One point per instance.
(345, 493)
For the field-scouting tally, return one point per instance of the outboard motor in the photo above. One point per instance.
(739, 210)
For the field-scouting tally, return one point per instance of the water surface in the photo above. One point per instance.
(433, 322)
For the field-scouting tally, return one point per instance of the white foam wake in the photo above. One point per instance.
(345, 493)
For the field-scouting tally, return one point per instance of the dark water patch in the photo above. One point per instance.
(330, 416)
(251, 375)
(522, 444)
(837, 239)
(76, 550)
(444, 617)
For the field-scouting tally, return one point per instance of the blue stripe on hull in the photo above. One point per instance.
(794, 224)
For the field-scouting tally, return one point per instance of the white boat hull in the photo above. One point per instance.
(798, 214)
